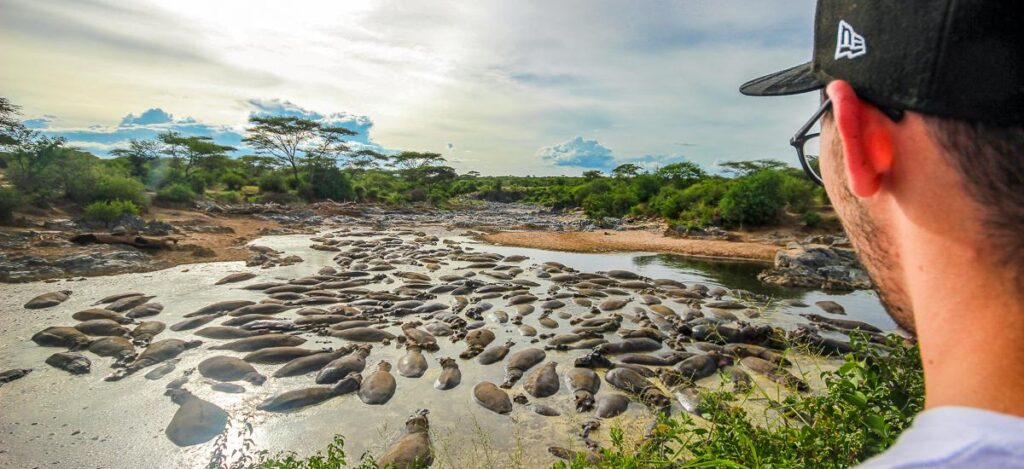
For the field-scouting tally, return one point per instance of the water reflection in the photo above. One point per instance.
(732, 274)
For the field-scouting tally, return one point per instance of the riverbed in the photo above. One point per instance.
(51, 418)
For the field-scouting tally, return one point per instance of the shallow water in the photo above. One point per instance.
(53, 418)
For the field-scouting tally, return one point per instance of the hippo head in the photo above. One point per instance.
(384, 366)
(255, 378)
(672, 378)
(348, 384)
(447, 363)
(655, 399)
(417, 423)
(584, 400)
(593, 360)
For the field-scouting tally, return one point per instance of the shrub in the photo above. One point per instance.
(233, 181)
(177, 193)
(282, 198)
(754, 200)
(272, 182)
(109, 211)
(799, 193)
(811, 219)
(250, 190)
(327, 183)
(10, 199)
(110, 188)
(228, 197)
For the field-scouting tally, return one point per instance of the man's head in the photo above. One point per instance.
(950, 172)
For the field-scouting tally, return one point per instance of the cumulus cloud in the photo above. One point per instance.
(578, 153)
(589, 154)
(150, 123)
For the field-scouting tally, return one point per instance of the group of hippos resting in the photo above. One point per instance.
(650, 339)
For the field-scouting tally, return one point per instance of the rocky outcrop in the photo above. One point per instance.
(26, 267)
(817, 266)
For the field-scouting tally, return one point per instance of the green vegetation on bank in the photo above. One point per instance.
(300, 160)
(867, 402)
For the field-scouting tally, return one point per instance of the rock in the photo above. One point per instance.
(817, 267)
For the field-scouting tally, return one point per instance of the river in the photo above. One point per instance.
(51, 418)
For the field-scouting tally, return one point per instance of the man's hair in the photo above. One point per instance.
(990, 159)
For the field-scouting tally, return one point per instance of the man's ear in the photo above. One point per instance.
(866, 135)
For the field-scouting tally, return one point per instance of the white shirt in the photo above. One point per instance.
(956, 437)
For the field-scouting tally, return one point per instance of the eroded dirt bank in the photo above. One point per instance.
(610, 241)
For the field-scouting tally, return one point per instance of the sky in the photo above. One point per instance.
(539, 87)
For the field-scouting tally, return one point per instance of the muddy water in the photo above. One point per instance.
(51, 418)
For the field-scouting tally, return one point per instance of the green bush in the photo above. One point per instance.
(811, 219)
(754, 200)
(282, 198)
(10, 199)
(233, 181)
(109, 211)
(799, 193)
(177, 193)
(272, 182)
(227, 197)
(109, 188)
(327, 183)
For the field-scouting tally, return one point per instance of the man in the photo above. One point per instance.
(922, 155)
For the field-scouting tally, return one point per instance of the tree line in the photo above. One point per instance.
(298, 160)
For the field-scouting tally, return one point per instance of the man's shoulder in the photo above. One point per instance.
(957, 437)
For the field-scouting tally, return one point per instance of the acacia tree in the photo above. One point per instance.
(592, 174)
(10, 127)
(294, 141)
(139, 153)
(626, 170)
(367, 159)
(195, 151)
(415, 159)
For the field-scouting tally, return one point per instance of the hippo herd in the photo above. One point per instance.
(597, 340)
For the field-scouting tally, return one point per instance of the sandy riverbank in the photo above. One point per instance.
(609, 241)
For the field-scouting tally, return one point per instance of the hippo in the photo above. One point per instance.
(221, 307)
(543, 381)
(100, 313)
(48, 300)
(476, 340)
(259, 308)
(843, 323)
(196, 421)
(611, 405)
(546, 321)
(412, 450)
(378, 388)
(492, 397)
(439, 329)
(144, 310)
(623, 275)
(115, 297)
(527, 330)
(117, 347)
(519, 362)
(631, 381)
(424, 340)
(351, 324)
(583, 383)
(639, 344)
(144, 333)
(364, 334)
(741, 381)
(61, 336)
(524, 309)
(129, 302)
(163, 370)
(299, 398)
(667, 359)
(236, 277)
(450, 375)
(775, 373)
(494, 353)
(725, 304)
(225, 332)
(229, 388)
(831, 307)
(278, 355)
(699, 366)
(156, 352)
(72, 362)
(192, 323)
(593, 360)
(355, 361)
(263, 341)
(227, 369)
(310, 363)
(102, 327)
(412, 364)
(521, 299)
(246, 319)
(13, 374)
(613, 304)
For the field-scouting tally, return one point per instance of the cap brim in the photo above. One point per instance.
(793, 80)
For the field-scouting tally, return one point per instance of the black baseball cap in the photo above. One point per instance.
(961, 59)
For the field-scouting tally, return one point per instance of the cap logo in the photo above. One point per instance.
(849, 44)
